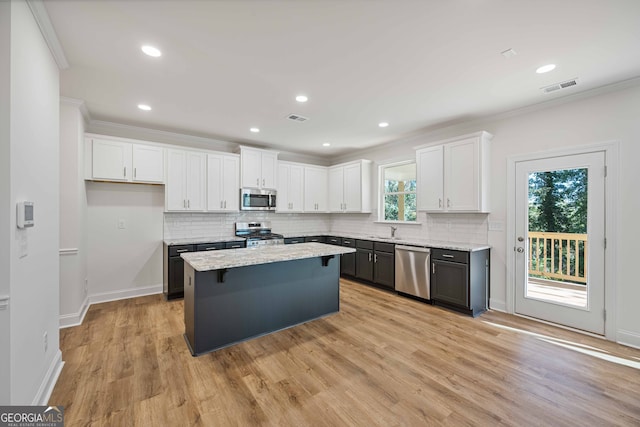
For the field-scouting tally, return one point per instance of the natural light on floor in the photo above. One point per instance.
(580, 348)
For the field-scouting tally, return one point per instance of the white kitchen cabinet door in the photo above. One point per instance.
(111, 160)
(223, 183)
(251, 168)
(269, 167)
(231, 183)
(196, 180)
(461, 175)
(148, 164)
(316, 190)
(353, 188)
(336, 189)
(290, 188)
(175, 188)
(430, 178)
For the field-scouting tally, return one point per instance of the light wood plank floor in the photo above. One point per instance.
(383, 360)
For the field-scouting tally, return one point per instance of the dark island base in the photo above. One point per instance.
(256, 300)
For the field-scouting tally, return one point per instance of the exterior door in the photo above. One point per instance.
(560, 240)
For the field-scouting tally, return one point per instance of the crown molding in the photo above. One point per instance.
(41, 16)
(79, 104)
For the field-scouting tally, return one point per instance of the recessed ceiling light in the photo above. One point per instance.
(545, 68)
(144, 107)
(151, 51)
(383, 124)
(302, 98)
(326, 144)
(254, 130)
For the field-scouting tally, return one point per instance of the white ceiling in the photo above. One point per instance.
(230, 65)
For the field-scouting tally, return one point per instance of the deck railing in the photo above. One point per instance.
(558, 256)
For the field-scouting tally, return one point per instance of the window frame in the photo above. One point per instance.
(382, 193)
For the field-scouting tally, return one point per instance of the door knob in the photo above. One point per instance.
(520, 239)
(520, 250)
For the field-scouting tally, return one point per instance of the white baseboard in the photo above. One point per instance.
(632, 339)
(49, 381)
(124, 294)
(497, 305)
(75, 319)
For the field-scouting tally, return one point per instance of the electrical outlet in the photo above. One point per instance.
(45, 338)
(122, 224)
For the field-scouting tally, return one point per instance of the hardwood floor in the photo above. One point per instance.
(383, 360)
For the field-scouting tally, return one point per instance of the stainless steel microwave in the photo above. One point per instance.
(257, 200)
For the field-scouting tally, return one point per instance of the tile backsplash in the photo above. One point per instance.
(458, 228)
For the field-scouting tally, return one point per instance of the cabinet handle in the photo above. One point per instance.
(182, 250)
(135, 170)
(375, 258)
(189, 203)
(369, 256)
(184, 203)
(439, 203)
(220, 204)
(448, 202)
(433, 267)
(124, 172)
(258, 182)
(210, 249)
(447, 256)
(263, 182)
(347, 242)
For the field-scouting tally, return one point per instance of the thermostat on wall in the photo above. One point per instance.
(25, 215)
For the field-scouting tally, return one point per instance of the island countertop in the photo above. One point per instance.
(216, 260)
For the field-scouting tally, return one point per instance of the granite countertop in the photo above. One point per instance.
(425, 243)
(196, 240)
(230, 258)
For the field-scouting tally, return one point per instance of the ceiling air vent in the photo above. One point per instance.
(297, 118)
(558, 86)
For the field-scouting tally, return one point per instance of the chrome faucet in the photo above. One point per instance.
(393, 231)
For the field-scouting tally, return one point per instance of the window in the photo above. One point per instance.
(398, 192)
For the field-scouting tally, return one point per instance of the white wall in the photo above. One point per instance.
(34, 176)
(73, 215)
(608, 115)
(5, 198)
(126, 261)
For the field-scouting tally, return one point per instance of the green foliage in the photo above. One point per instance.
(392, 199)
(558, 201)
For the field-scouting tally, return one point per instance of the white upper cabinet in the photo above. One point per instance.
(290, 187)
(186, 179)
(115, 160)
(258, 168)
(350, 187)
(454, 176)
(316, 189)
(148, 163)
(223, 182)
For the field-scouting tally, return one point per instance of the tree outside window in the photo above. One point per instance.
(399, 192)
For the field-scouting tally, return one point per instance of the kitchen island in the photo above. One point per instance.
(234, 295)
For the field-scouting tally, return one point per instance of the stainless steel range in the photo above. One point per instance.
(258, 233)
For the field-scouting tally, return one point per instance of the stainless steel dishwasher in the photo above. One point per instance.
(412, 271)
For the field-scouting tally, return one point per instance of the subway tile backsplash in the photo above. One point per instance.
(455, 228)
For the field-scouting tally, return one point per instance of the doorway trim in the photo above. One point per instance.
(611, 150)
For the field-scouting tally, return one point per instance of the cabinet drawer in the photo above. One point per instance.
(233, 245)
(364, 244)
(384, 247)
(209, 246)
(334, 240)
(178, 249)
(293, 240)
(317, 239)
(351, 243)
(453, 256)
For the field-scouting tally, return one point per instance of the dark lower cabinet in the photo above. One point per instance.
(173, 281)
(384, 264)
(315, 239)
(173, 265)
(348, 261)
(459, 280)
(364, 260)
(293, 240)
